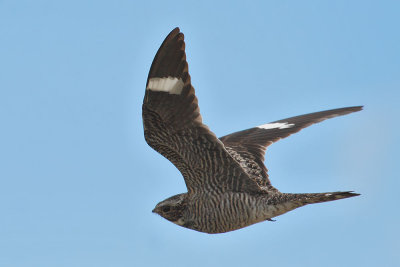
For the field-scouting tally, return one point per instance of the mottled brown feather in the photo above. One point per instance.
(173, 127)
(252, 143)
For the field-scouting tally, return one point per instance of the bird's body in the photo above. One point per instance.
(216, 213)
(227, 181)
(212, 212)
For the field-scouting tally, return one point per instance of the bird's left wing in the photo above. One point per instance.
(248, 146)
(173, 125)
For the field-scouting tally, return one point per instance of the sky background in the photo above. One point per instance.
(78, 181)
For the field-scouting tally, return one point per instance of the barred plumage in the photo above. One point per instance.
(227, 181)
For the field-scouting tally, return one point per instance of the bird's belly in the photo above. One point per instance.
(226, 212)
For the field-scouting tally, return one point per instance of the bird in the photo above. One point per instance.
(228, 187)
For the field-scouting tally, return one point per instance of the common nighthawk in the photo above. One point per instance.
(227, 182)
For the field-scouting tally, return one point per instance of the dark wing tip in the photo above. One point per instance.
(348, 110)
(172, 34)
(175, 30)
(345, 111)
(170, 59)
(356, 108)
(315, 117)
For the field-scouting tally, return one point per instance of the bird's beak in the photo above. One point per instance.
(154, 210)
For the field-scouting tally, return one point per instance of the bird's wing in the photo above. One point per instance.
(248, 146)
(173, 125)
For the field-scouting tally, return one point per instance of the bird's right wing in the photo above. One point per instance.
(174, 128)
(248, 146)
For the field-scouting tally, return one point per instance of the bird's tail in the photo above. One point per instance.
(287, 202)
(322, 197)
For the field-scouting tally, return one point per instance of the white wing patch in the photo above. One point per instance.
(170, 85)
(274, 125)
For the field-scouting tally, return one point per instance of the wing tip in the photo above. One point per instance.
(174, 32)
(169, 56)
(176, 29)
(357, 108)
(348, 110)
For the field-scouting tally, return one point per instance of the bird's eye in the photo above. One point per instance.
(166, 209)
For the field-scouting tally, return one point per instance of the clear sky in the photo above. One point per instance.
(78, 181)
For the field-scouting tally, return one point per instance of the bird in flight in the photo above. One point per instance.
(228, 187)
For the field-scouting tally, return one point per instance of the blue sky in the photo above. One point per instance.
(78, 182)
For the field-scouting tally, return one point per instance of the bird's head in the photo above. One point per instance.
(172, 209)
